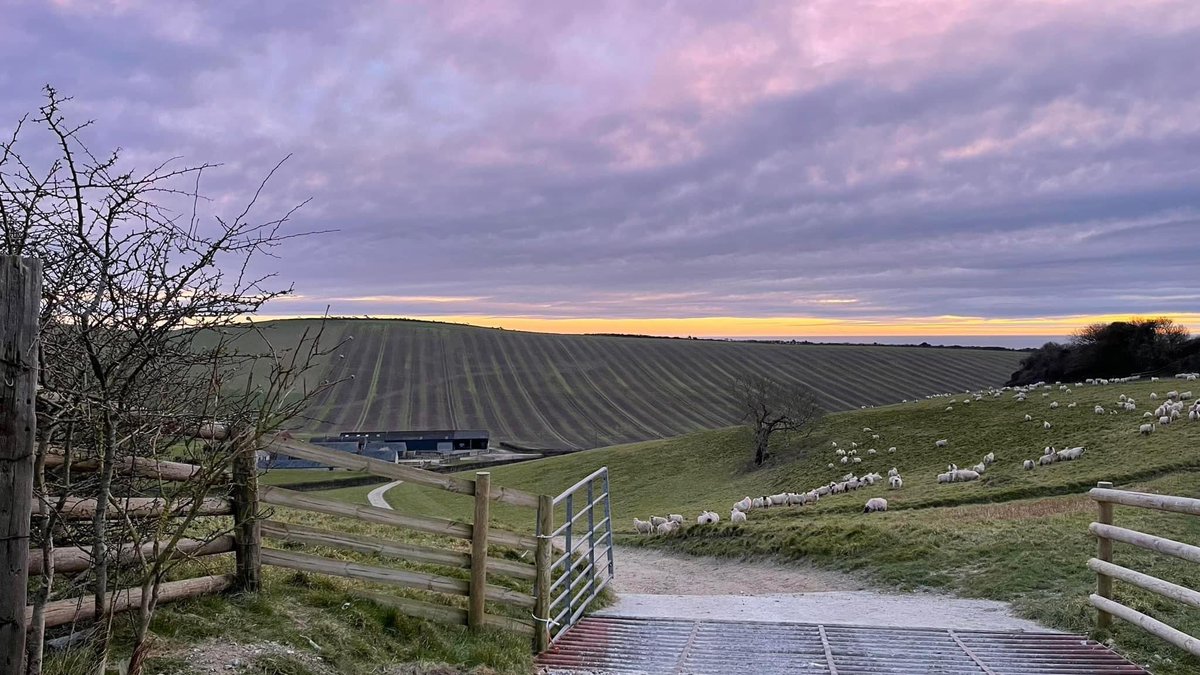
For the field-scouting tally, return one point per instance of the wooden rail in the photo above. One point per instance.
(61, 612)
(305, 562)
(143, 467)
(75, 508)
(1106, 571)
(408, 474)
(301, 534)
(445, 614)
(72, 559)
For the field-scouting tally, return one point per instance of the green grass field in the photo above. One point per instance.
(573, 391)
(1016, 535)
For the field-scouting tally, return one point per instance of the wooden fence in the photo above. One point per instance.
(1106, 570)
(477, 589)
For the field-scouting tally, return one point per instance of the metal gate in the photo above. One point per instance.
(585, 567)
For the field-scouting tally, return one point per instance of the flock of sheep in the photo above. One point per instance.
(1173, 408)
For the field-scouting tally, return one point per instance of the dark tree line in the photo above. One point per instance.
(1116, 349)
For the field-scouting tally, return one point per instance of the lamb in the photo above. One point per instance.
(1153, 396)
(675, 518)
(1164, 420)
(744, 505)
(845, 460)
(871, 451)
(892, 449)
(875, 504)
(657, 520)
(1146, 429)
(1046, 425)
(857, 460)
(945, 477)
(949, 408)
(893, 472)
(874, 437)
(840, 452)
(1072, 404)
(941, 443)
(979, 468)
(1028, 418)
(1028, 464)
(737, 517)
(642, 526)
(896, 482)
(1099, 410)
(989, 458)
(1053, 405)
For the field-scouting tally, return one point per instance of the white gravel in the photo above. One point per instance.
(652, 583)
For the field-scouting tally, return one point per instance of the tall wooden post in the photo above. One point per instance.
(541, 605)
(247, 533)
(20, 297)
(1104, 552)
(479, 545)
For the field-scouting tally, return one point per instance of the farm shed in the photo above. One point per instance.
(276, 460)
(410, 444)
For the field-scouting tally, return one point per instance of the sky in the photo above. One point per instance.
(710, 168)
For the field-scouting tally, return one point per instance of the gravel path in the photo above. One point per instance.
(375, 497)
(660, 584)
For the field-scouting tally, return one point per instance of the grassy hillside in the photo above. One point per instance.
(571, 391)
(1016, 535)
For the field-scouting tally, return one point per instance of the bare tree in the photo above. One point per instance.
(769, 406)
(143, 335)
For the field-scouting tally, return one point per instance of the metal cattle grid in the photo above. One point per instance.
(601, 644)
(586, 566)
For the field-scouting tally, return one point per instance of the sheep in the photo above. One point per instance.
(1070, 453)
(1047, 460)
(642, 526)
(706, 518)
(744, 505)
(1147, 415)
(866, 430)
(896, 482)
(941, 443)
(737, 517)
(949, 408)
(857, 460)
(778, 500)
(1146, 429)
(874, 437)
(1172, 395)
(965, 474)
(893, 472)
(1072, 404)
(1186, 394)
(1153, 396)
(979, 468)
(892, 449)
(667, 527)
(657, 520)
(1053, 405)
(1046, 425)
(1028, 464)
(675, 518)
(1099, 410)
(952, 468)
(944, 477)
(833, 443)
(1028, 418)
(840, 452)
(1164, 420)
(989, 458)
(875, 504)
(845, 460)
(871, 451)
(829, 465)
(853, 445)
(759, 503)
(1194, 415)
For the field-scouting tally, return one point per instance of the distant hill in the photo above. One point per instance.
(581, 391)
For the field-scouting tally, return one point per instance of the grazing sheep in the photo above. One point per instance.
(829, 465)
(874, 437)
(1053, 405)
(1047, 460)
(941, 443)
(1028, 418)
(875, 504)
(1072, 404)
(965, 474)
(1194, 415)
(845, 460)
(1099, 410)
(857, 460)
(705, 518)
(1147, 415)
(952, 468)
(979, 468)
(989, 458)
(779, 499)
(759, 503)
(949, 408)
(853, 445)
(737, 517)
(1186, 394)
(1070, 453)
(642, 526)
(1146, 429)
(833, 443)
(657, 520)
(866, 430)
(892, 449)
(1046, 425)
(675, 518)
(744, 505)
(1164, 420)
(840, 452)
(1028, 464)
(896, 482)
(667, 527)
(871, 451)
(1153, 396)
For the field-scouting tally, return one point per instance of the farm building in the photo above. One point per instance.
(409, 444)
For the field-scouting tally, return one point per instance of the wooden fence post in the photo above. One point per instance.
(20, 297)
(1104, 552)
(247, 533)
(479, 548)
(541, 607)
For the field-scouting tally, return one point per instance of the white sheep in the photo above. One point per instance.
(1028, 464)
(1070, 453)
(1164, 420)
(941, 443)
(829, 465)
(857, 460)
(896, 482)
(840, 452)
(667, 527)
(1047, 460)
(989, 458)
(1072, 404)
(949, 408)
(866, 430)
(979, 468)
(1099, 410)
(760, 503)
(707, 518)
(1046, 425)
(875, 504)
(779, 499)
(871, 451)
(1028, 418)
(965, 474)
(874, 437)
(845, 460)
(737, 517)
(1194, 415)
(945, 477)
(642, 526)
(893, 472)
(657, 520)
(1053, 405)
(1146, 429)
(1153, 396)
(744, 505)
(892, 449)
